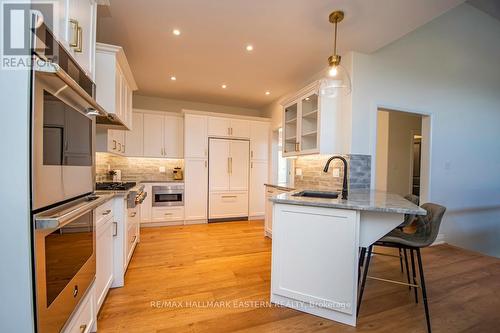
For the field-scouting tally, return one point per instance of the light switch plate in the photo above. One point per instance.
(162, 169)
(336, 172)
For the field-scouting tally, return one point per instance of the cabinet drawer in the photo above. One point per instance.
(167, 213)
(227, 205)
(84, 317)
(104, 211)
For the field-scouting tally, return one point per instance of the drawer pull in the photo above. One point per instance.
(169, 214)
(133, 214)
(83, 328)
(115, 228)
(106, 212)
(229, 196)
(133, 240)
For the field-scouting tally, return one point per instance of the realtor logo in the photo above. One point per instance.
(17, 18)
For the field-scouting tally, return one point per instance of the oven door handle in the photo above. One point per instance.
(60, 219)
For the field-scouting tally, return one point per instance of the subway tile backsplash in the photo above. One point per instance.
(136, 168)
(358, 175)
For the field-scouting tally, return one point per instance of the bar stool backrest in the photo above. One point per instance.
(428, 225)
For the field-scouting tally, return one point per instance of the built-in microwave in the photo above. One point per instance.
(168, 195)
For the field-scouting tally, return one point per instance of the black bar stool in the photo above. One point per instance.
(426, 233)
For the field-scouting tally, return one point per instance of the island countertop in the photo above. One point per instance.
(362, 200)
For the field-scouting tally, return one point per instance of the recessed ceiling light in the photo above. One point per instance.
(176, 32)
(249, 47)
(173, 78)
(268, 92)
(224, 86)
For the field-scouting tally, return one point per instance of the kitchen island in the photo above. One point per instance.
(316, 243)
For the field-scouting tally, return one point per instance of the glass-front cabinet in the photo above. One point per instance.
(311, 122)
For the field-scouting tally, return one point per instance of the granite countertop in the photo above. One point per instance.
(281, 186)
(363, 200)
(162, 181)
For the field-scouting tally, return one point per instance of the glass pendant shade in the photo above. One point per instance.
(337, 82)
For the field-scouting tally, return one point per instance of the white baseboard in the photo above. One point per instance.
(160, 224)
(189, 222)
(256, 217)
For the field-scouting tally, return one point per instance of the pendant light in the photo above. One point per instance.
(337, 78)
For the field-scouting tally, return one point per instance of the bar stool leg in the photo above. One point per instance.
(424, 292)
(414, 274)
(400, 259)
(406, 265)
(365, 274)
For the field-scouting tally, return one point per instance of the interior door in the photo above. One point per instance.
(239, 160)
(219, 165)
(153, 135)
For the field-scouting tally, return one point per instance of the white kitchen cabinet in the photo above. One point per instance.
(147, 204)
(228, 127)
(228, 178)
(312, 122)
(259, 140)
(153, 135)
(173, 136)
(104, 251)
(134, 139)
(268, 221)
(226, 205)
(257, 193)
(195, 190)
(173, 215)
(195, 136)
(163, 135)
(81, 32)
(114, 83)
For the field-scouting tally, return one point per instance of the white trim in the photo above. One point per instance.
(159, 112)
(225, 115)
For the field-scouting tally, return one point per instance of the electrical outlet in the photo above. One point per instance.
(336, 173)
(162, 169)
(298, 172)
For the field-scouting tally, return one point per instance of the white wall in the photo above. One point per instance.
(16, 303)
(382, 150)
(174, 105)
(450, 69)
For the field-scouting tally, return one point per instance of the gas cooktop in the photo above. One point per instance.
(114, 186)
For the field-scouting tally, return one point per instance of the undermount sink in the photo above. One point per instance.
(317, 194)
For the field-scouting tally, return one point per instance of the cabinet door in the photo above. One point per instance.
(120, 138)
(153, 135)
(259, 140)
(134, 139)
(219, 165)
(240, 128)
(195, 136)
(196, 190)
(118, 93)
(268, 222)
(104, 260)
(173, 136)
(290, 128)
(239, 154)
(258, 177)
(309, 121)
(124, 100)
(218, 126)
(84, 12)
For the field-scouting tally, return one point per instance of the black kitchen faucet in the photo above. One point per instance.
(344, 182)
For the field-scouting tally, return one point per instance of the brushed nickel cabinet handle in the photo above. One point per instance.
(120, 146)
(231, 131)
(115, 229)
(167, 214)
(206, 164)
(251, 153)
(229, 196)
(228, 131)
(83, 328)
(114, 144)
(106, 212)
(124, 149)
(133, 240)
(229, 165)
(133, 214)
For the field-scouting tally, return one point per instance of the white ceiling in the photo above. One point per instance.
(292, 40)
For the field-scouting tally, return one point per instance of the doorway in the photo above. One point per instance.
(402, 152)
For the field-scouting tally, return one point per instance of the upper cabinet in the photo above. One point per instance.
(259, 140)
(75, 28)
(115, 83)
(195, 136)
(228, 127)
(312, 121)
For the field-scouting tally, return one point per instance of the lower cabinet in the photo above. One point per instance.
(258, 177)
(195, 190)
(228, 205)
(84, 319)
(268, 220)
(168, 214)
(104, 259)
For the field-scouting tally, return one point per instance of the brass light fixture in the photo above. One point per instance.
(334, 60)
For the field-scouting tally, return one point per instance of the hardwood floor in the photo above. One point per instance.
(177, 271)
